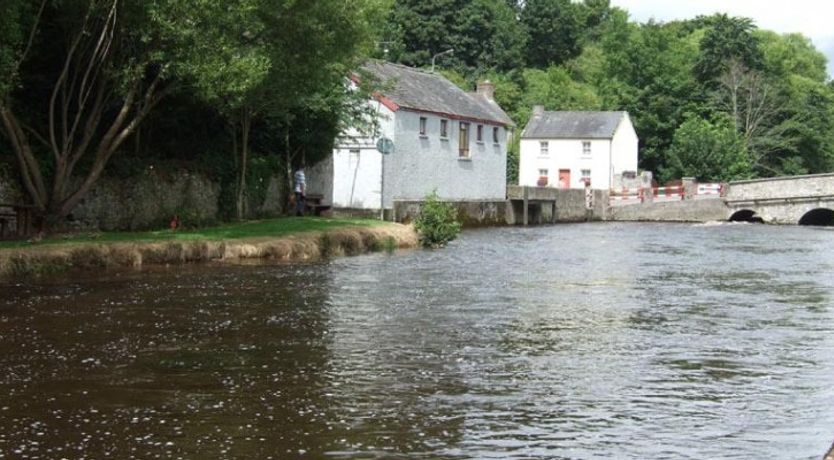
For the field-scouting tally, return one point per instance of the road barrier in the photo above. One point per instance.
(710, 189)
(667, 193)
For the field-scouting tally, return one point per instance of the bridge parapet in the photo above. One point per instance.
(781, 188)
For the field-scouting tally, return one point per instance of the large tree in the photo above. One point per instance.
(727, 39)
(483, 33)
(555, 29)
(86, 74)
(710, 150)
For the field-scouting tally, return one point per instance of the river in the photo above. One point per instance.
(576, 341)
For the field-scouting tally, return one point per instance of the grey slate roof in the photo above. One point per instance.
(424, 91)
(573, 125)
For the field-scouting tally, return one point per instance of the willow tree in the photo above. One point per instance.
(83, 76)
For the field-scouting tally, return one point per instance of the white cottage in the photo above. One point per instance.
(444, 138)
(567, 149)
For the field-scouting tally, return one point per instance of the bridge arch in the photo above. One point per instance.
(820, 217)
(746, 215)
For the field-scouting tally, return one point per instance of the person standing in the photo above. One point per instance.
(300, 190)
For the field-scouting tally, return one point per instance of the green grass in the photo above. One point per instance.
(239, 230)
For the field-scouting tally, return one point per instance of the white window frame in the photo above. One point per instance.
(544, 148)
(586, 148)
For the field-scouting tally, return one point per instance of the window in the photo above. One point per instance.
(495, 134)
(586, 177)
(543, 179)
(545, 146)
(423, 122)
(444, 128)
(586, 148)
(463, 141)
(353, 158)
(480, 133)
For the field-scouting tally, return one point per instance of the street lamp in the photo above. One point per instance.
(443, 53)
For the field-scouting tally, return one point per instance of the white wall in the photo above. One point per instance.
(356, 178)
(565, 154)
(421, 164)
(608, 157)
(624, 147)
(349, 181)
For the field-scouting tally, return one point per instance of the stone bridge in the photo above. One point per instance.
(803, 200)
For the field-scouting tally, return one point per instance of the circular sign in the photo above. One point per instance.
(385, 145)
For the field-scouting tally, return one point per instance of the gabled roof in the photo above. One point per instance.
(422, 91)
(573, 125)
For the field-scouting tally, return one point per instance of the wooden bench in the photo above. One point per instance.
(312, 204)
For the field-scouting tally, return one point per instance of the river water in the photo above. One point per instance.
(575, 341)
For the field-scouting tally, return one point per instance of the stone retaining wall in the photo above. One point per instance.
(672, 211)
(470, 213)
(150, 200)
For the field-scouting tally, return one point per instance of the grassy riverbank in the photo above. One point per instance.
(287, 239)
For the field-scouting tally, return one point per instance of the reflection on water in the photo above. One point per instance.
(579, 341)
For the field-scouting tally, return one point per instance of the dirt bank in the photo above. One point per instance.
(301, 247)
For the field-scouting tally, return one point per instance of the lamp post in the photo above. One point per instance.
(443, 53)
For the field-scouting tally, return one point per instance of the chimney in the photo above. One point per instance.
(487, 89)
(538, 110)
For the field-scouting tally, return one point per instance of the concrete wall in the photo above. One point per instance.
(608, 157)
(570, 206)
(470, 213)
(422, 163)
(672, 211)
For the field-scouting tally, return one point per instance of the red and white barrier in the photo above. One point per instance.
(668, 193)
(710, 189)
(626, 196)
(664, 194)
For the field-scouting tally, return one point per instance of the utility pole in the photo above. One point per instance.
(443, 53)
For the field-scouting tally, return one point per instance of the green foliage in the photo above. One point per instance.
(483, 33)
(727, 38)
(437, 223)
(707, 150)
(555, 29)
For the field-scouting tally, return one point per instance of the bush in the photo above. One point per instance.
(437, 223)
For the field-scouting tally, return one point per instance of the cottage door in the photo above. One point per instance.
(564, 178)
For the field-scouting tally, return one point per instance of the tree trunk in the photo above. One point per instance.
(243, 155)
(288, 155)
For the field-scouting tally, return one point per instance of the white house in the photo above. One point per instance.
(443, 138)
(566, 149)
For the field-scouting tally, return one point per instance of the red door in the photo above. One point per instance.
(564, 178)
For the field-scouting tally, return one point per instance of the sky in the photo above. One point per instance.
(812, 18)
